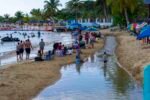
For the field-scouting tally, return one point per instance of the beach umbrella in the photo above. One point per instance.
(145, 33)
(146, 27)
(83, 28)
(90, 24)
(74, 26)
(143, 24)
(91, 29)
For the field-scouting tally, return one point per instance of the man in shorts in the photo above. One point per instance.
(18, 51)
(28, 47)
(42, 45)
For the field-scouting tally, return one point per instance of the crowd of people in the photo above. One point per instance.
(81, 41)
(23, 46)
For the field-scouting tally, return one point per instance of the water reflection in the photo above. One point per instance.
(78, 68)
(92, 81)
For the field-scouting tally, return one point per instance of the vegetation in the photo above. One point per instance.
(122, 11)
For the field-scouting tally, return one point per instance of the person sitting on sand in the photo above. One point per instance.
(69, 51)
(39, 56)
(59, 50)
(48, 55)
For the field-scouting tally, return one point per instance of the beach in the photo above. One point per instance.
(24, 81)
(130, 54)
(8, 49)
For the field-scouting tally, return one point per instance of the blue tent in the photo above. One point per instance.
(90, 25)
(146, 27)
(145, 33)
(74, 25)
(91, 29)
(83, 28)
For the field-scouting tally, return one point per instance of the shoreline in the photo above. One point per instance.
(128, 60)
(24, 81)
(130, 56)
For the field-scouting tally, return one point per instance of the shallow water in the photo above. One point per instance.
(49, 37)
(92, 81)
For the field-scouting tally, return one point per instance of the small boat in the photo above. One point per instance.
(8, 39)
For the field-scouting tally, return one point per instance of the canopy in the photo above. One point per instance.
(90, 25)
(74, 25)
(91, 29)
(145, 33)
(146, 28)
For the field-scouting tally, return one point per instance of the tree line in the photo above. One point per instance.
(122, 11)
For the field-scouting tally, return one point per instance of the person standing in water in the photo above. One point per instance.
(28, 47)
(18, 51)
(105, 58)
(42, 45)
(39, 34)
(21, 49)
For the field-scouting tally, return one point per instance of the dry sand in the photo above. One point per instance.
(24, 81)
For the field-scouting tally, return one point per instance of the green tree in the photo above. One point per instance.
(102, 7)
(122, 7)
(51, 8)
(6, 17)
(36, 14)
(1, 19)
(26, 18)
(74, 7)
(19, 15)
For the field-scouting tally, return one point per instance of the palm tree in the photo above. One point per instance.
(1, 19)
(19, 15)
(6, 17)
(26, 18)
(51, 7)
(102, 5)
(74, 6)
(123, 6)
(36, 14)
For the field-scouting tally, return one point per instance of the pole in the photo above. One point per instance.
(149, 10)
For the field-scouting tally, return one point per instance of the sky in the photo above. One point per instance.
(11, 6)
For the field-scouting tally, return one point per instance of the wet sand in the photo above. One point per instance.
(130, 54)
(24, 81)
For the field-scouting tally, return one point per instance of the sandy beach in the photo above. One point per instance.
(130, 54)
(24, 81)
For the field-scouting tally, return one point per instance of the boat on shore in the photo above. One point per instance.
(10, 39)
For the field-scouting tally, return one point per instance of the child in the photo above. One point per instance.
(39, 56)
